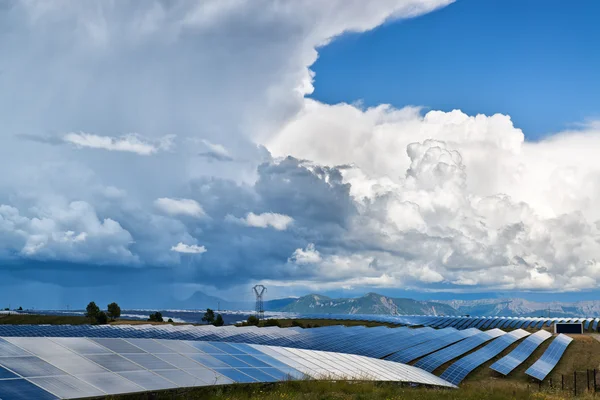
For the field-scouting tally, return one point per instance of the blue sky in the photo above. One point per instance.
(536, 62)
(154, 149)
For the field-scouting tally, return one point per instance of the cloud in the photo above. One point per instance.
(187, 207)
(306, 256)
(389, 196)
(188, 249)
(216, 152)
(131, 143)
(276, 221)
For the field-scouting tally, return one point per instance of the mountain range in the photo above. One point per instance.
(373, 303)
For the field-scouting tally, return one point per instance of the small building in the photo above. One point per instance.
(568, 327)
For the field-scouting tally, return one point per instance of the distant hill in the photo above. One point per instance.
(371, 303)
(525, 308)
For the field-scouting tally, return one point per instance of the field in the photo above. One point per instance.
(313, 390)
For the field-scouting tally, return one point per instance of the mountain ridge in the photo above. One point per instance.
(374, 303)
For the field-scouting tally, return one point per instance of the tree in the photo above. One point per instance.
(219, 320)
(272, 322)
(114, 311)
(20, 309)
(156, 317)
(91, 311)
(170, 320)
(101, 318)
(209, 316)
(253, 320)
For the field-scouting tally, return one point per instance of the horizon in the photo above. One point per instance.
(421, 149)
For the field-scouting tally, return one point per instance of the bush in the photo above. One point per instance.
(20, 309)
(272, 322)
(253, 320)
(296, 323)
(219, 320)
(170, 320)
(156, 317)
(101, 318)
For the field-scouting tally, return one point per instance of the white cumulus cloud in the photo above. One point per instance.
(131, 143)
(188, 248)
(276, 221)
(180, 207)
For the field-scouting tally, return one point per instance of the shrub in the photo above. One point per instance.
(253, 320)
(156, 317)
(219, 320)
(272, 322)
(101, 318)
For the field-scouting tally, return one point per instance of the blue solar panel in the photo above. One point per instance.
(20, 389)
(542, 367)
(456, 372)
(516, 357)
(434, 360)
(412, 353)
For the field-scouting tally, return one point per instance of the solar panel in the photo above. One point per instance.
(456, 372)
(414, 352)
(542, 367)
(77, 367)
(434, 360)
(512, 360)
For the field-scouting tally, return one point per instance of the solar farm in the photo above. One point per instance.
(82, 361)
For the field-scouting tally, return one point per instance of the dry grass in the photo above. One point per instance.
(324, 390)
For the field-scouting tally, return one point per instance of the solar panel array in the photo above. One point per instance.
(376, 342)
(434, 360)
(430, 347)
(50, 368)
(542, 367)
(456, 372)
(458, 322)
(516, 357)
(414, 352)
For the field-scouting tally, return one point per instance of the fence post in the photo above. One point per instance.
(575, 382)
(587, 371)
(562, 382)
(594, 380)
(551, 383)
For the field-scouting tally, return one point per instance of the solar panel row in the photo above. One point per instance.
(375, 342)
(516, 357)
(435, 360)
(456, 372)
(50, 368)
(542, 367)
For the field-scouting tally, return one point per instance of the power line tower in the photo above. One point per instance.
(259, 291)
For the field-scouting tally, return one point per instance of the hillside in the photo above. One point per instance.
(371, 303)
(521, 307)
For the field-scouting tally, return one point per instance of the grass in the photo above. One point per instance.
(324, 390)
(34, 319)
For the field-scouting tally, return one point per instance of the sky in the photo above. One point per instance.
(424, 148)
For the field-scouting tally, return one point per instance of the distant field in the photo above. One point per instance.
(33, 319)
